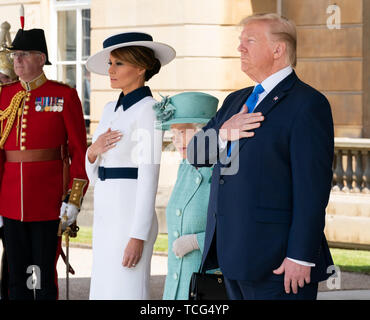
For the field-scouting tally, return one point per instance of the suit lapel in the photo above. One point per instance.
(238, 103)
(233, 109)
(275, 96)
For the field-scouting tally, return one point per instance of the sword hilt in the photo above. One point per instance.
(73, 230)
(70, 231)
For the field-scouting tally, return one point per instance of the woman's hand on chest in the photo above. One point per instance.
(103, 143)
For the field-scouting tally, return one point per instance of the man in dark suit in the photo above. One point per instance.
(266, 219)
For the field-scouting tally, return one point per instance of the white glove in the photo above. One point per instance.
(185, 244)
(70, 211)
(1, 221)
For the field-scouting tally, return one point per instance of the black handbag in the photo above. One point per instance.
(207, 286)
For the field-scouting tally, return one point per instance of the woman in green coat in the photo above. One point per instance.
(186, 212)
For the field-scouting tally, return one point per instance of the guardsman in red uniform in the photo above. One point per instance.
(43, 145)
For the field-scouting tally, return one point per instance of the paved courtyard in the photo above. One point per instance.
(353, 286)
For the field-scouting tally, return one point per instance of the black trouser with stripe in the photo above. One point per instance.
(32, 247)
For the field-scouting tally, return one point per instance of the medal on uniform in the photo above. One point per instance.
(38, 104)
(60, 102)
(53, 104)
(49, 104)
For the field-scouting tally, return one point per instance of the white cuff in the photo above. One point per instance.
(92, 168)
(221, 143)
(303, 263)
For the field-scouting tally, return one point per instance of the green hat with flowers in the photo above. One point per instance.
(185, 107)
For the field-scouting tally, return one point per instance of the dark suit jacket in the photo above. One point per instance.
(274, 207)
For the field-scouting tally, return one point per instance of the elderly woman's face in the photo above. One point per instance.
(182, 134)
(125, 76)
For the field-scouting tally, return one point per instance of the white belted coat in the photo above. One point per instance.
(125, 208)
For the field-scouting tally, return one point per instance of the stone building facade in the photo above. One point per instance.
(333, 55)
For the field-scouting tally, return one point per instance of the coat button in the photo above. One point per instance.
(222, 181)
(197, 180)
(175, 276)
(176, 234)
(24, 126)
(23, 148)
(24, 120)
(178, 212)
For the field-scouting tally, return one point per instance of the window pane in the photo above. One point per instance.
(67, 35)
(67, 74)
(85, 34)
(86, 95)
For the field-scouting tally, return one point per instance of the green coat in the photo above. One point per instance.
(186, 213)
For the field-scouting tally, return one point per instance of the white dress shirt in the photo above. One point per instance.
(268, 84)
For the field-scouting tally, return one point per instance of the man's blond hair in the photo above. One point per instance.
(282, 29)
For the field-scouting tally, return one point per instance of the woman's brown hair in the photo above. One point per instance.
(139, 56)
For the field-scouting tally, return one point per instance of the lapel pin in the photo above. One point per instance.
(275, 98)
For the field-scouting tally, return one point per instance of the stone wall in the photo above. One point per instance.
(203, 33)
(335, 60)
(348, 220)
(205, 36)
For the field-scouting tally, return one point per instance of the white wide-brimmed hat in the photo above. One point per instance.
(98, 63)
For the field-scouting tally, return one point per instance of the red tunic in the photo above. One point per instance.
(33, 191)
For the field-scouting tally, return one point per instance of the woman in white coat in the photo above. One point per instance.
(123, 165)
